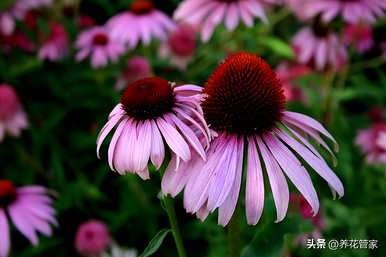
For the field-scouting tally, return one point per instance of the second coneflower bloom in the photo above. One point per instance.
(153, 111)
(244, 103)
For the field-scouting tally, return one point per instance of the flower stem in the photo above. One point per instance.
(234, 235)
(169, 206)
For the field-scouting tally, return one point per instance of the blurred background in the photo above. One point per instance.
(66, 100)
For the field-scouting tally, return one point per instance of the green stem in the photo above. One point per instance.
(169, 206)
(234, 235)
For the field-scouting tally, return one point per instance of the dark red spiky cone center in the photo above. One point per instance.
(100, 39)
(148, 98)
(7, 193)
(243, 96)
(141, 7)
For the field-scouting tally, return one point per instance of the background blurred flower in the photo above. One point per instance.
(153, 110)
(372, 142)
(12, 116)
(352, 11)
(137, 67)
(245, 102)
(320, 48)
(288, 73)
(92, 238)
(360, 36)
(209, 13)
(56, 46)
(97, 43)
(7, 24)
(180, 46)
(29, 208)
(142, 22)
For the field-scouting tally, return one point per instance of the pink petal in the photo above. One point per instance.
(106, 130)
(157, 146)
(227, 209)
(277, 181)
(18, 218)
(5, 242)
(254, 192)
(113, 143)
(174, 140)
(294, 170)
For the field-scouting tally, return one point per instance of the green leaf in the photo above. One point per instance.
(278, 46)
(155, 243)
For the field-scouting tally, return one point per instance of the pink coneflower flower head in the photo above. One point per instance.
(360, 36)
(30, 210)
(56, 45)
(372, 142)
(138, 67)
(320, 48)
(92, 238)
(209, 13)
(12, 116)
(352, 11)
(153, 111)
(245, 104)
(140, 23)
(305, 210)
(180, 46)
(287, 73)
(97, 43)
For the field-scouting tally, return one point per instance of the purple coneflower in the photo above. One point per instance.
(13, 119)
(30, 210)
(97, 43)
(138, 67)
(153, 110)
(320, 48)
(245, 105)
(360, 36)
(287, 73)
(92, 238)
(372, 142)
(56, 46)
(352, 11)
(180, 46)
(210, 13)
(141, 22)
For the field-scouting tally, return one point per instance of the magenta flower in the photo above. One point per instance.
(352, 11)
(138, 67)
(7, 23)
(360, 36)
(12, 116)
(180, 46)
(153, 110)
(320, 48)
(245, 104)
(30, 210)
(97, 43)
(92, 238)
(372, 142)
(287, 73)
(56, 46)
(140, 23)
(210, 13)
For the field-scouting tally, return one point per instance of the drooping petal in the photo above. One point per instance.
(157, 146)
(277, 181)
(227, 209)
(294, 170)
(174, 140)
(5, 242)
(18, 218)
(319, 165)
(254, 192)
